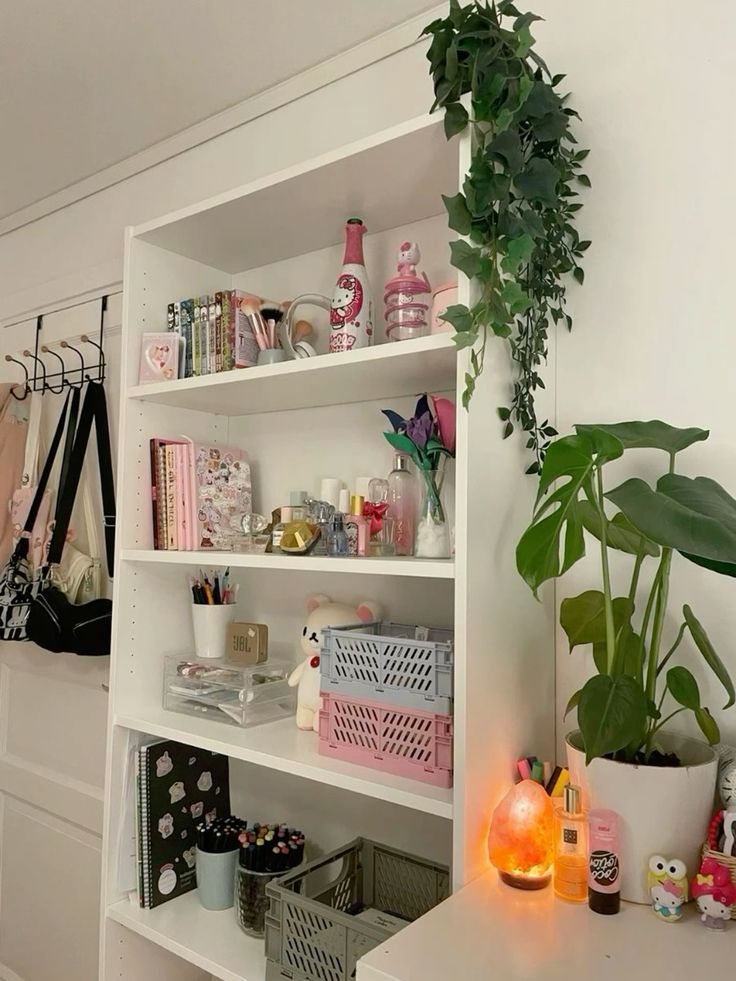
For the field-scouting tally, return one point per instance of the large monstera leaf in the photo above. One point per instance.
(695, 516)
(554, 541)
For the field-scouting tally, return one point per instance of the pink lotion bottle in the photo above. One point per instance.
(357, 527)
(604, 862)
(402, 505)
(351, 313)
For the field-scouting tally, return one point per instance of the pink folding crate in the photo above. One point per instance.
(408, 742)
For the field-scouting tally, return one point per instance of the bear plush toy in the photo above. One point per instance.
(321, 612)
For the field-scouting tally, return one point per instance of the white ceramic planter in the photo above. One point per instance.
(662, 810)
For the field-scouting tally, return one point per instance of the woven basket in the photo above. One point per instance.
(728, 860)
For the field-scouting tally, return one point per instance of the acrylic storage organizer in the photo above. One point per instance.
(406, 741)
(390, 662)
(238, 694)
(326, 914)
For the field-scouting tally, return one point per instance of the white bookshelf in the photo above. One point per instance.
(281, 236)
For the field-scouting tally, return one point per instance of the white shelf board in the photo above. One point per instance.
(426, 364)
(211, 940)
(281, 746)
(490, 931)
(396, 566)
(390, 179)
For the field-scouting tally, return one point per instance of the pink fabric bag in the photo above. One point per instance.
(21, 497)
(13, 431)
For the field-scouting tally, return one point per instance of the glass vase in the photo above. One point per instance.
(432, 539)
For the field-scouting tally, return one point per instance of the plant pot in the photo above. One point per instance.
(662, 810)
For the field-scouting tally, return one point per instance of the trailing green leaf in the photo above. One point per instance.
(518, 203)
(702, 642)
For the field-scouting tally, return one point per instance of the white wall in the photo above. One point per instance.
(653, 334)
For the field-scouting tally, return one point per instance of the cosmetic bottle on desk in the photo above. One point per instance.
(571, 848)
(402, 505)
(356, 526)
(351, 313)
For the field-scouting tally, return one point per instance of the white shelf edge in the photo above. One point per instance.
(144, 922)
(344, 776)
(396, 566)
(379, 353)
(416, 123)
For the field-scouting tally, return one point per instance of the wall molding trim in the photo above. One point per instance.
(340, 66)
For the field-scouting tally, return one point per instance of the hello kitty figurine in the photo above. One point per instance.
(409, 256)
(321, 612)
(715, 894)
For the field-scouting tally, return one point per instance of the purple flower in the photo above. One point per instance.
(420, 429)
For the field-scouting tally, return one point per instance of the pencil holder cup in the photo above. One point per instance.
(210, 628)
(272, 355)
(251, 901)
(216, 878)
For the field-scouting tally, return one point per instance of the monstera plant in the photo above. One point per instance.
(639, 686)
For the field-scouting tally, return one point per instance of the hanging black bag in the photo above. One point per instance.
(19, 583)
(54, 623)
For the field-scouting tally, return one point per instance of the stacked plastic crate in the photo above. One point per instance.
(387, 699)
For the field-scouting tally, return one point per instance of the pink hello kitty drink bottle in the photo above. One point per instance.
(351, 315)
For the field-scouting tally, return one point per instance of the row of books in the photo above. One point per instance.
(199, 493)
(216, 333)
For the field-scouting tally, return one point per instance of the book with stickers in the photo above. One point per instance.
(177, 788)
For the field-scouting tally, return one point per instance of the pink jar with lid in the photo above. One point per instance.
(442, 298)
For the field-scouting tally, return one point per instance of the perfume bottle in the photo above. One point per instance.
(571, 848)
(319, 513)
(337, 539)
(402, 505)
(381, 541)
(356, 526)
(351, 314)
(298, 502)
(278, 530)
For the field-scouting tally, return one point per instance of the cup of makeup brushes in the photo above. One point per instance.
(210, 625)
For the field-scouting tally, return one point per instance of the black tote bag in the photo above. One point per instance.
(19, 584)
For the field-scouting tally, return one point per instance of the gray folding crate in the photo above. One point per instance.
(402, 664)
(310, 936)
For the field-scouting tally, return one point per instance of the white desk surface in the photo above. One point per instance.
(491, 932)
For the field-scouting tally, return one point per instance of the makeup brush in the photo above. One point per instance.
(251, 308)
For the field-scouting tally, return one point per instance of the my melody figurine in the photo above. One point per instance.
(407, 297)
(667, 881)
(715, 894)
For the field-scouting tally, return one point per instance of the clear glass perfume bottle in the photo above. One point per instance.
(402, 505)
(571, 848)
(337, 539)
(278, 531)
(381, 541)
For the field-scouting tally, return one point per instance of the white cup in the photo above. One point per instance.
(210, 628)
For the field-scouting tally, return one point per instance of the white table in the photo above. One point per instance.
(490, 932)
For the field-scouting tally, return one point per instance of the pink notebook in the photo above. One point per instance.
(222, 493)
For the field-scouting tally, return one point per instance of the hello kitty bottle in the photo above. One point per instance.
(351, 315)
(406, 297)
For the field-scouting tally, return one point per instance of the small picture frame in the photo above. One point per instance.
(159, 357)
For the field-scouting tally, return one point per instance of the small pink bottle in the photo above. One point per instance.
(402, 505)
(351, 314)
(357, 527)
(604, 862)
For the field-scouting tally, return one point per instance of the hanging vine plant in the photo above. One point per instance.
(519, 198)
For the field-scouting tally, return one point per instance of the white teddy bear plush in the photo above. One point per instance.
(321, 612)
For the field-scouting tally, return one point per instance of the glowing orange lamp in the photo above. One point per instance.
(521, 839)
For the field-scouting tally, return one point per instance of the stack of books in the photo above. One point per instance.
(214, 333)
(199, 492)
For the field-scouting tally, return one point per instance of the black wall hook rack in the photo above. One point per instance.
(42, 380)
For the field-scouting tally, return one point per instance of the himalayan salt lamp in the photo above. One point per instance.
(521, 839)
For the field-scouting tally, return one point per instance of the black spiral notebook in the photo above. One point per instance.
(178, 787)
